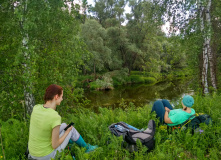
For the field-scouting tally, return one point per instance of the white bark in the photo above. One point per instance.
(210, 55)
(29, 98)
(205, 54)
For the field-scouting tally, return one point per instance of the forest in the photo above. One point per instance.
(97, 45)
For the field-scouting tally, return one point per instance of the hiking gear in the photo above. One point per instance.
(130, 135)
(200, 118)
(133, 127)
(188, 101)
(194, 123)
(90, 148)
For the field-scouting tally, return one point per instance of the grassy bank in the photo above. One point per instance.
(94, 128)
(115, 78)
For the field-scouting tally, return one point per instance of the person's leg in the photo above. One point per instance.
(66, 140)
(167, 104)
(77, 138)
(158, 107)
(62, 127)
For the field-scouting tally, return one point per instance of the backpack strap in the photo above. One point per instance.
(188, 120)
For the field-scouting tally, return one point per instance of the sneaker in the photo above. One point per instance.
(90, 148)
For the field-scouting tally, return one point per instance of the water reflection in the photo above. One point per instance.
(139, 94)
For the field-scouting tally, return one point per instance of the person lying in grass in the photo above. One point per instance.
(173, 117)
(46, 133)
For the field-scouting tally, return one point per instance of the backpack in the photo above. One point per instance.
(194, 124)
(131, 134)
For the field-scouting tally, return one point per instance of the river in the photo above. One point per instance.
(139, 94)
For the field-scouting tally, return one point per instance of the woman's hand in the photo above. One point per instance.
(68, 130)
(56, 140)
(166, 116)
(167, 109)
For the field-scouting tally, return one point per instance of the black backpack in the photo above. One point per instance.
(194, 123)
(199, 118)
(131, 135)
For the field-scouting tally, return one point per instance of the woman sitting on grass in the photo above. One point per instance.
(46, 133)
(171, 116)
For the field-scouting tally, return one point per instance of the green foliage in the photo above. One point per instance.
(136, 79)
(94, 35)
(54, 52)
(141, 79)
(105, 83)
(83, 81)
(120, 77)
(149, 80)
(15, 137)
(94, 129)
(94, 85)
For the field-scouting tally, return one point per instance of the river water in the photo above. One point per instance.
(139, 94)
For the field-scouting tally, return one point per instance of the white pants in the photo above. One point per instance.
(73, 135)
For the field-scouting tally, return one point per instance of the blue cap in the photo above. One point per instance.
(188, 101)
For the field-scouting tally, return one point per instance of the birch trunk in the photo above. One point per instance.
(205, 55)
(28, 96)
(210, 54)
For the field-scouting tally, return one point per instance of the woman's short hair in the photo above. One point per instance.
(51, 91)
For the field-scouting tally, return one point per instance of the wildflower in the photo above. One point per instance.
(1, 157)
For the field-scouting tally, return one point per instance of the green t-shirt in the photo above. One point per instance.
(178, 116)
(43, 120)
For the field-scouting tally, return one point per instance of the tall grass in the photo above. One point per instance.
(94, 129)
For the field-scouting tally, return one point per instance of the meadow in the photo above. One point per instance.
(93, 126)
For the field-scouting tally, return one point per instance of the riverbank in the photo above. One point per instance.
(110, 80)
(139, 94)
(94, 128)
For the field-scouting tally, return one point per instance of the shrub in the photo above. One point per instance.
(116, 81)
(149, 80)
(106, 83)
(137, 72)
(94, 85)
(136, 79)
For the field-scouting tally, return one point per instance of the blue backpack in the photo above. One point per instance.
(131, 134)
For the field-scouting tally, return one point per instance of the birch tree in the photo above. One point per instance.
(28, 86)
(208, 60)
(208, 45)
(184, 15)
(39, 46)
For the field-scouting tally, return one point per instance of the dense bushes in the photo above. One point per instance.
(122, 77)
(94, 128)
(115, 78)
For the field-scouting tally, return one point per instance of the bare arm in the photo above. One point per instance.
(56, 141)
(166, 116)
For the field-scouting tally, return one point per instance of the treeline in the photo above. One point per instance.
(44, 42)
(134, 41)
